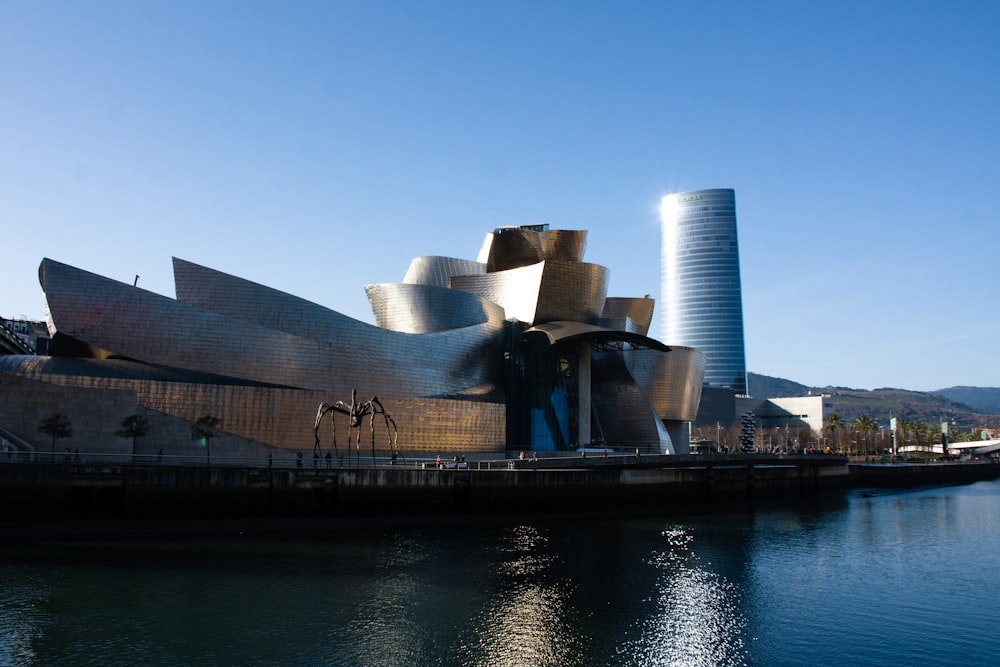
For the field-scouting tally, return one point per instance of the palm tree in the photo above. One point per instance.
(204, 429)
(904, 427)
(866, 424)
(833, 422)
(958, 435)
(134, 426)
(919, 430)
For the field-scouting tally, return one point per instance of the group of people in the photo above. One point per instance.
(457, 462)
(316, 459)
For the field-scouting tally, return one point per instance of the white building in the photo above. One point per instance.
(795, 413)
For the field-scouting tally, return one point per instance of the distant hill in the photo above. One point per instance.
(765, 386)
(929, 408)
(984, 399)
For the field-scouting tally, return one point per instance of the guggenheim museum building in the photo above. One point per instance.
(519, 350)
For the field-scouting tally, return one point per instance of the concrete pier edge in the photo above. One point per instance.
(33, 493)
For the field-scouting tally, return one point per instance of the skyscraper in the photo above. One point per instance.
(702, 301)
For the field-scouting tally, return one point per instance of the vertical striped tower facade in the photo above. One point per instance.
(701, 295)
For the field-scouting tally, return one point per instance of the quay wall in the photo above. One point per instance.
(896, 475)
(31, 492)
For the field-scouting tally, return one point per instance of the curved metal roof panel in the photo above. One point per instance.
(563, 332)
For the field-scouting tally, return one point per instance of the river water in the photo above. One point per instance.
(898, 578)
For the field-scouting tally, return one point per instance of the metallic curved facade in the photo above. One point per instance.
(514, 247)
(267, 336)
(701, 293)
(421, 309)
(638, 310)
(542, 292)
(621, 405)
(438, 271)
(450, 358)
(567, 245)
(668, 380)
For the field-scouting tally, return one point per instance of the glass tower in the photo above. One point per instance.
(702, 301)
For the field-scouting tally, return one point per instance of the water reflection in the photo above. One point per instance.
(18, 609)
(908, 578)
(526, 619)
(697, 619)
(381, 626)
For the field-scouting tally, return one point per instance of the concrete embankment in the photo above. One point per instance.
(903, 475)
(34, 492)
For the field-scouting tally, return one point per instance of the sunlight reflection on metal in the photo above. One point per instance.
(699, 621)
(669, 210)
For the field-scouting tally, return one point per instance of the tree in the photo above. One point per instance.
(866, 424)
(133, 427)
(919, 430)
(904, 427)
(204, 429)
(961, 436)
(833, 422)
(56, 426)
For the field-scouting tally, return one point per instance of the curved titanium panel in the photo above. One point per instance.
(258, 304)
(42, 368)
(265, 335)
(434, 270)
(420, 309)
(97, 394)
(543, 292)
(639, 310)
(565, 332)
(285, 418)
(672, 381)
(235, 297)
(516, 291)
(572, 291)
(514, 248)
(625, 416)
(565, 245)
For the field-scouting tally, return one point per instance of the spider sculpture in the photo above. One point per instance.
(356, 412)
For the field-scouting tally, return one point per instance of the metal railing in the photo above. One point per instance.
(12, 342)
(284, 460)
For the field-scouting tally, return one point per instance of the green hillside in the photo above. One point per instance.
(765, 386)
(880, 403)
(983, 399)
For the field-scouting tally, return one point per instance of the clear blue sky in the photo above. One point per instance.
(318, 146)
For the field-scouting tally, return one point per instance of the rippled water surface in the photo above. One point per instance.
(898, 578)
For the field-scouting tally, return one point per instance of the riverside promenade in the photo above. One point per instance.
(31, 491)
